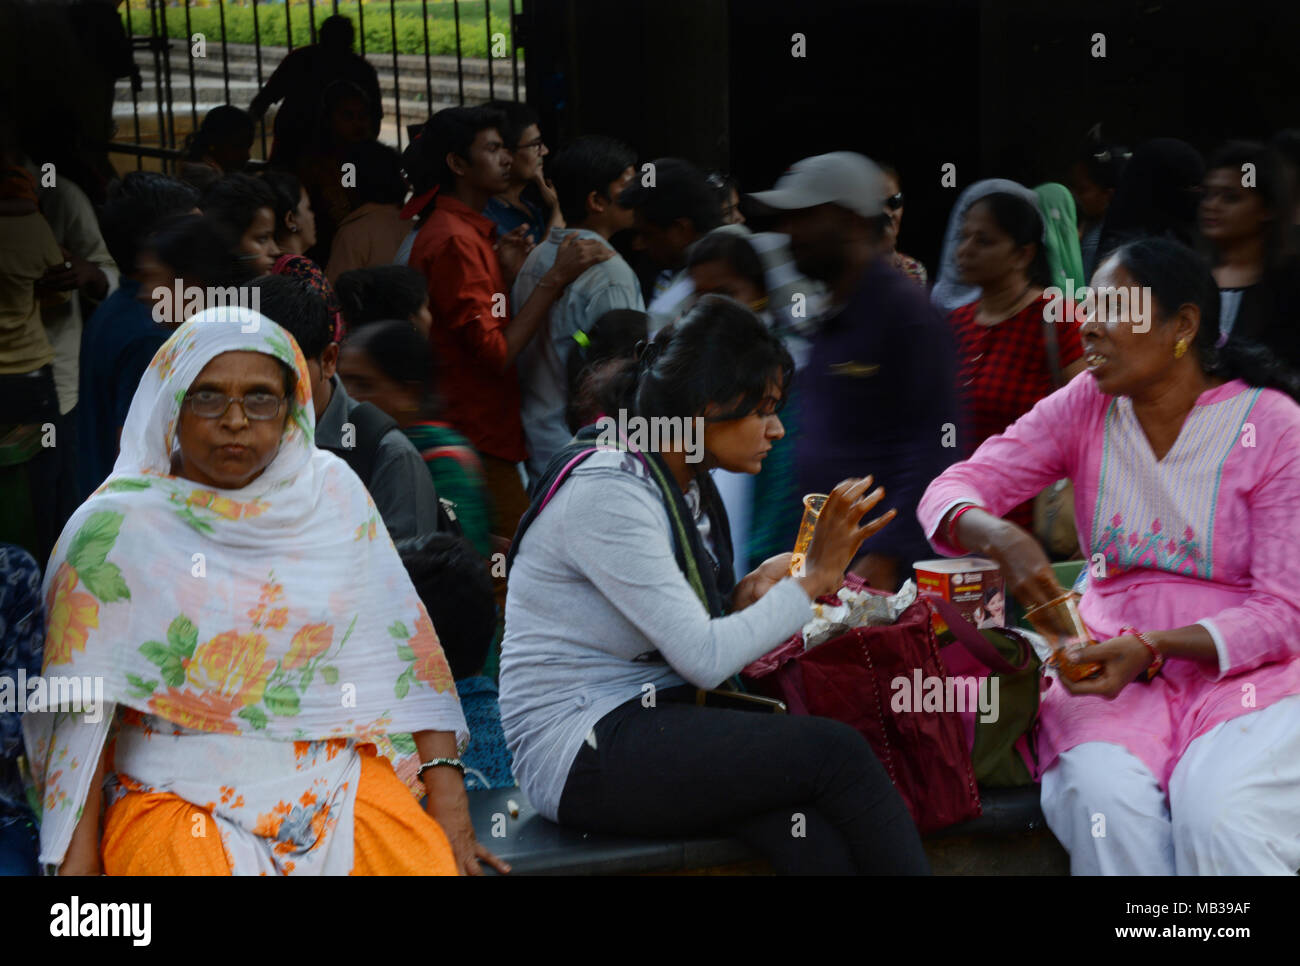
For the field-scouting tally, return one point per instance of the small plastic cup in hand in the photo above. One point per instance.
(1059, 622)
(812, 508)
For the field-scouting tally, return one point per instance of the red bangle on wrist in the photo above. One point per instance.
(952, 524)
(1157, 659)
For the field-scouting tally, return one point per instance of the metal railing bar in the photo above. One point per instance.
(487, 26)
(135, 104)
(194, 91)
(397, 80)
(460, 68)
(428, 63)
(257, 45)
(225, 50)
(514, 49)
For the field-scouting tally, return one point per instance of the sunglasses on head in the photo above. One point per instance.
(894, 202)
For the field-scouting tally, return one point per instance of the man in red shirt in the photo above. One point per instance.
(476, 333)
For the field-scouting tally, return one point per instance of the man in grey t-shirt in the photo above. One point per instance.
(588, 178)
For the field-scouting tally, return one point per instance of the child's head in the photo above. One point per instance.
(246, 207)
(225, 136)
(196, 252)
(301, 311)
(379, 179)
(456, 589)
(295, 222)
(384, 292)
(387, 364)
(612, 339)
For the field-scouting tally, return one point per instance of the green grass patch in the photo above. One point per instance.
(205, 18)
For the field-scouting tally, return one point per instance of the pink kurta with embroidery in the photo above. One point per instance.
(1210, 534)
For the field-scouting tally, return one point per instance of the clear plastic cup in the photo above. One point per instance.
(1059, 622)
(812, 508)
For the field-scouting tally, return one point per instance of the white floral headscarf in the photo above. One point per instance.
(278, 611)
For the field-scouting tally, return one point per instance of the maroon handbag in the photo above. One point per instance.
(850, 679)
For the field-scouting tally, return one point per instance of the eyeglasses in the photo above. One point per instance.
(534, 145)
(213, 405)
(894, 202)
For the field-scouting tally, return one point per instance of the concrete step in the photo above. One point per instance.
(242, 59)
(412, 85)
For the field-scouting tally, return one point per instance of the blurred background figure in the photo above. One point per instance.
(1156, 196)
(22, 640)
(347, 119)
(28, 395)
(530, 200)
(906, 264)
(589, 176)
(879, 388)
(671, 216)
(1060, 236)
(222, 145)
(300, 80)
(384, 292)
(295, 234)
(386, 364)
(245, 207)
(88, 275)
(608, 343)
(728, 189)
(1093, 178)
(456, 590)
(121, 337)
(1005, 362)
(196, 252)
(1248, 229)
(1287, 145)
(373, 231)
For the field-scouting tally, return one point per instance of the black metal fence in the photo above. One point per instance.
(154, 132)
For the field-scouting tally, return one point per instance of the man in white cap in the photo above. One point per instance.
(878, 395)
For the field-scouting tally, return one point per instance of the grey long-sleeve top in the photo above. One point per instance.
(597, 609)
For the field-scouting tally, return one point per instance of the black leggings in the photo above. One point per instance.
(807, 793)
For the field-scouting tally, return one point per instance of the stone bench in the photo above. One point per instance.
(1010, 838)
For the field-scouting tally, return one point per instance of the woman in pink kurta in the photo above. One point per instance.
(1187, 499)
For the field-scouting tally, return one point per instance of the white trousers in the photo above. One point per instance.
(1233, 806)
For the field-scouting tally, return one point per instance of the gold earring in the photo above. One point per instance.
(1180, 348)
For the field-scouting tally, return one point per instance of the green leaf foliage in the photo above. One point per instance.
(155, 652)
(105, 581)
(94, 540)
(281, 700)
(182, 636)
(140, 686)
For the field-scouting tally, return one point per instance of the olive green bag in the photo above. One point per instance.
(1000, 746)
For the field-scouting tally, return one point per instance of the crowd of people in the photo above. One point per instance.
(323, 473)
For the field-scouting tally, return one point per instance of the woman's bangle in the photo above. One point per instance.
(436, 762)
(952, 523)
(1157, 659)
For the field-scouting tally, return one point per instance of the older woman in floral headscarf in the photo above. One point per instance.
(256, 635)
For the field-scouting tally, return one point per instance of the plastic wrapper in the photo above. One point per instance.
(856, 608)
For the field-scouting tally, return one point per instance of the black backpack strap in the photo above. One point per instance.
(371, 425)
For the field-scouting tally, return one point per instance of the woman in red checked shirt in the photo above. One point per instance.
(1004, 365)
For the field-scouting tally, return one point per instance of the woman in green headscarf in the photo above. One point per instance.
(1061, 235)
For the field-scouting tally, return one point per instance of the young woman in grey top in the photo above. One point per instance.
(622, 602)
